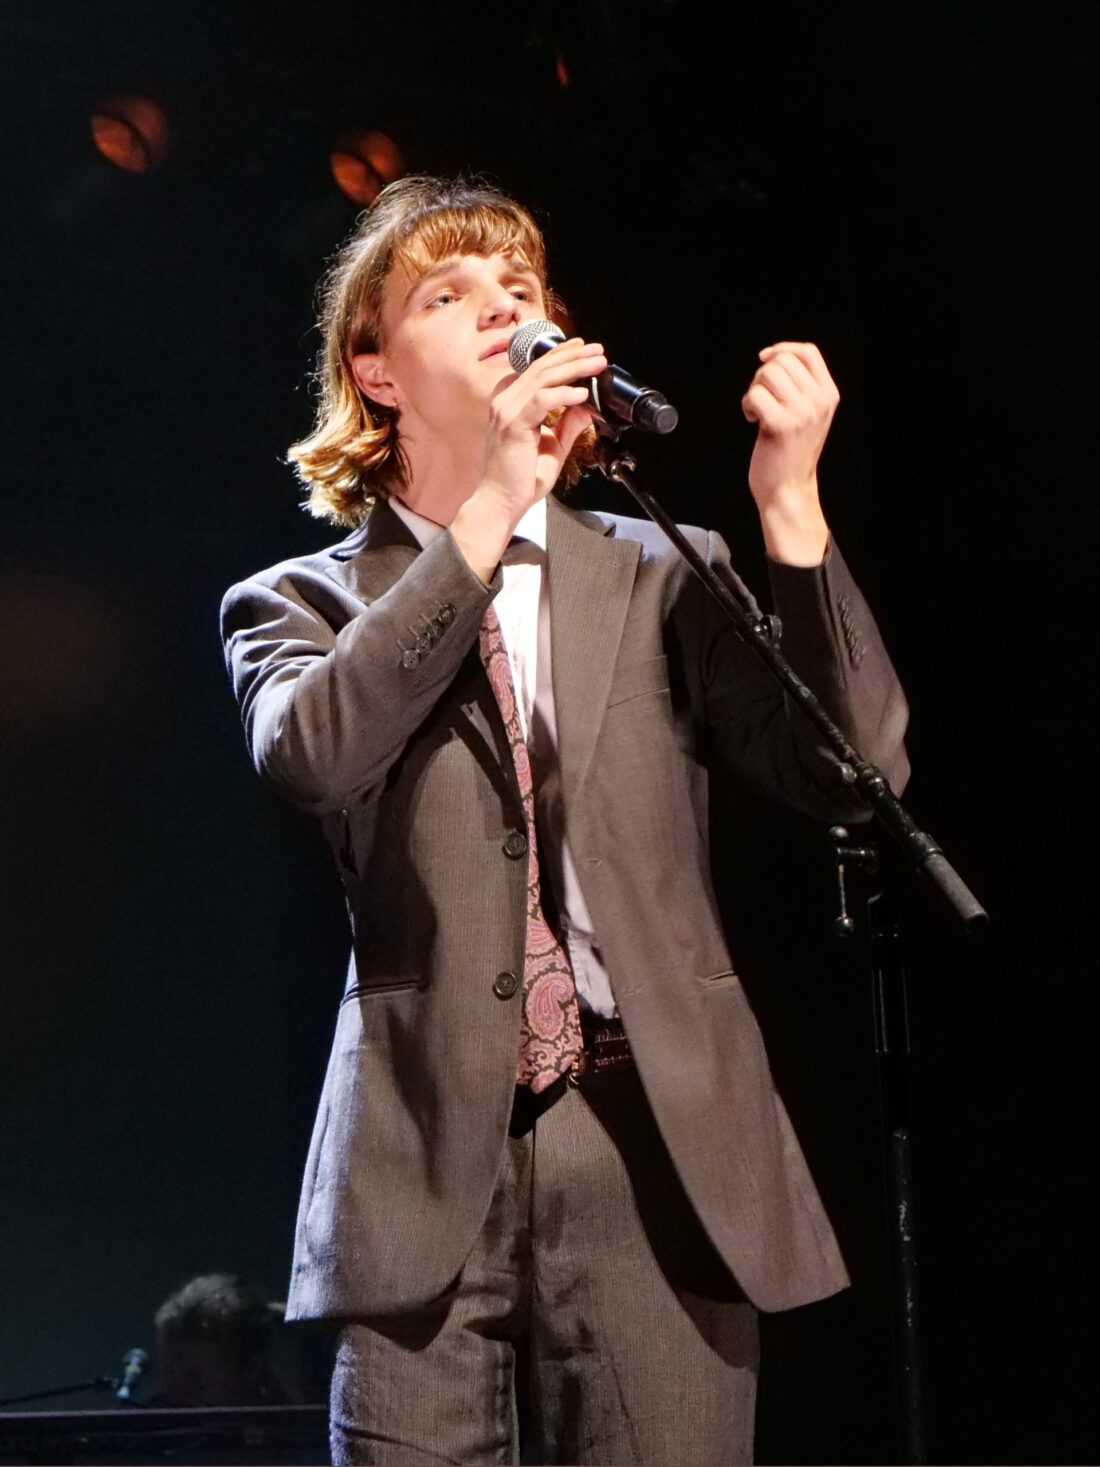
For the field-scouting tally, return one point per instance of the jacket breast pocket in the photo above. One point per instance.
(726, 978)
(638, 678)
(377, 990)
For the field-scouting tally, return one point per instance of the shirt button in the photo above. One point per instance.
(411, 658)
(505, 985)
(515, 844)
(447, 614)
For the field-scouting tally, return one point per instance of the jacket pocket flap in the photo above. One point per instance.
(636, 678)
(727, 978)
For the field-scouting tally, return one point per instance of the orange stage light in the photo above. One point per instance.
(363, 163)
(130, 132)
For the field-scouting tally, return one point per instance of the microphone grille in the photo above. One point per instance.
(532, 340)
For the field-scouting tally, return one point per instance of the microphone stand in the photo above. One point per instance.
(890, 1016)
(761, 634)
(97, 1383)
(758, 632)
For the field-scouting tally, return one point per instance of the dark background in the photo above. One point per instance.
(910, 187)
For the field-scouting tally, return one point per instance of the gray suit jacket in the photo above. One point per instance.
(399, 747)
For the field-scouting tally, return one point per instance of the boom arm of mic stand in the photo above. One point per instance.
(755, 631)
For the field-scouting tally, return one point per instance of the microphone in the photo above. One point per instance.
(618, 399)
(134, 1365)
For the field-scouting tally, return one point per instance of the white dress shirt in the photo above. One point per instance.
(523, 609)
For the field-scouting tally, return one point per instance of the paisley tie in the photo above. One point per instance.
(550, 1033)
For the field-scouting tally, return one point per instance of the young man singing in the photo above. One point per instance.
(548, 1126)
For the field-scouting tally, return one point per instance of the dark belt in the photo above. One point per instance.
(606, 1048)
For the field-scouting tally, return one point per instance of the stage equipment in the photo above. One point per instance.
(134, 1365)
(207, 1434)
(363, 163)
(890, 1027)
(131, 132)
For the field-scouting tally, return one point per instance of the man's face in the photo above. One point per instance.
(445, 338)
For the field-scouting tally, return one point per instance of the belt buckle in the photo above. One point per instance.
(606, 1048)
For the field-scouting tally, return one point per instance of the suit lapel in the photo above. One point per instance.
(379, 552)
(591, 577)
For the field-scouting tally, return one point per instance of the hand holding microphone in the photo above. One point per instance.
(524, 453)
(616, 398)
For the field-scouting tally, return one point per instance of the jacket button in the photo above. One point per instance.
(505, 985)
(410, 658)
(447, 614)
(515, 844)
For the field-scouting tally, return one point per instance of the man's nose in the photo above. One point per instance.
(500, 308)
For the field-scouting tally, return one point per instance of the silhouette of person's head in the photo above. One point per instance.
(215, 1339)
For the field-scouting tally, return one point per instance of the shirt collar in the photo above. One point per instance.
(531, 527)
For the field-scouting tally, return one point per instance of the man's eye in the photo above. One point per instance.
(442, 298)
(523, 293)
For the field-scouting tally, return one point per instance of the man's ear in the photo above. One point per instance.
(369, 370)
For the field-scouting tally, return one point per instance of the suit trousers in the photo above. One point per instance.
(593, 1321)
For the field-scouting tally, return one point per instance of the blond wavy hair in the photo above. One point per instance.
(354, 453)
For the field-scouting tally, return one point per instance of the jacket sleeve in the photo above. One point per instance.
(331, 688)
(830, 639)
